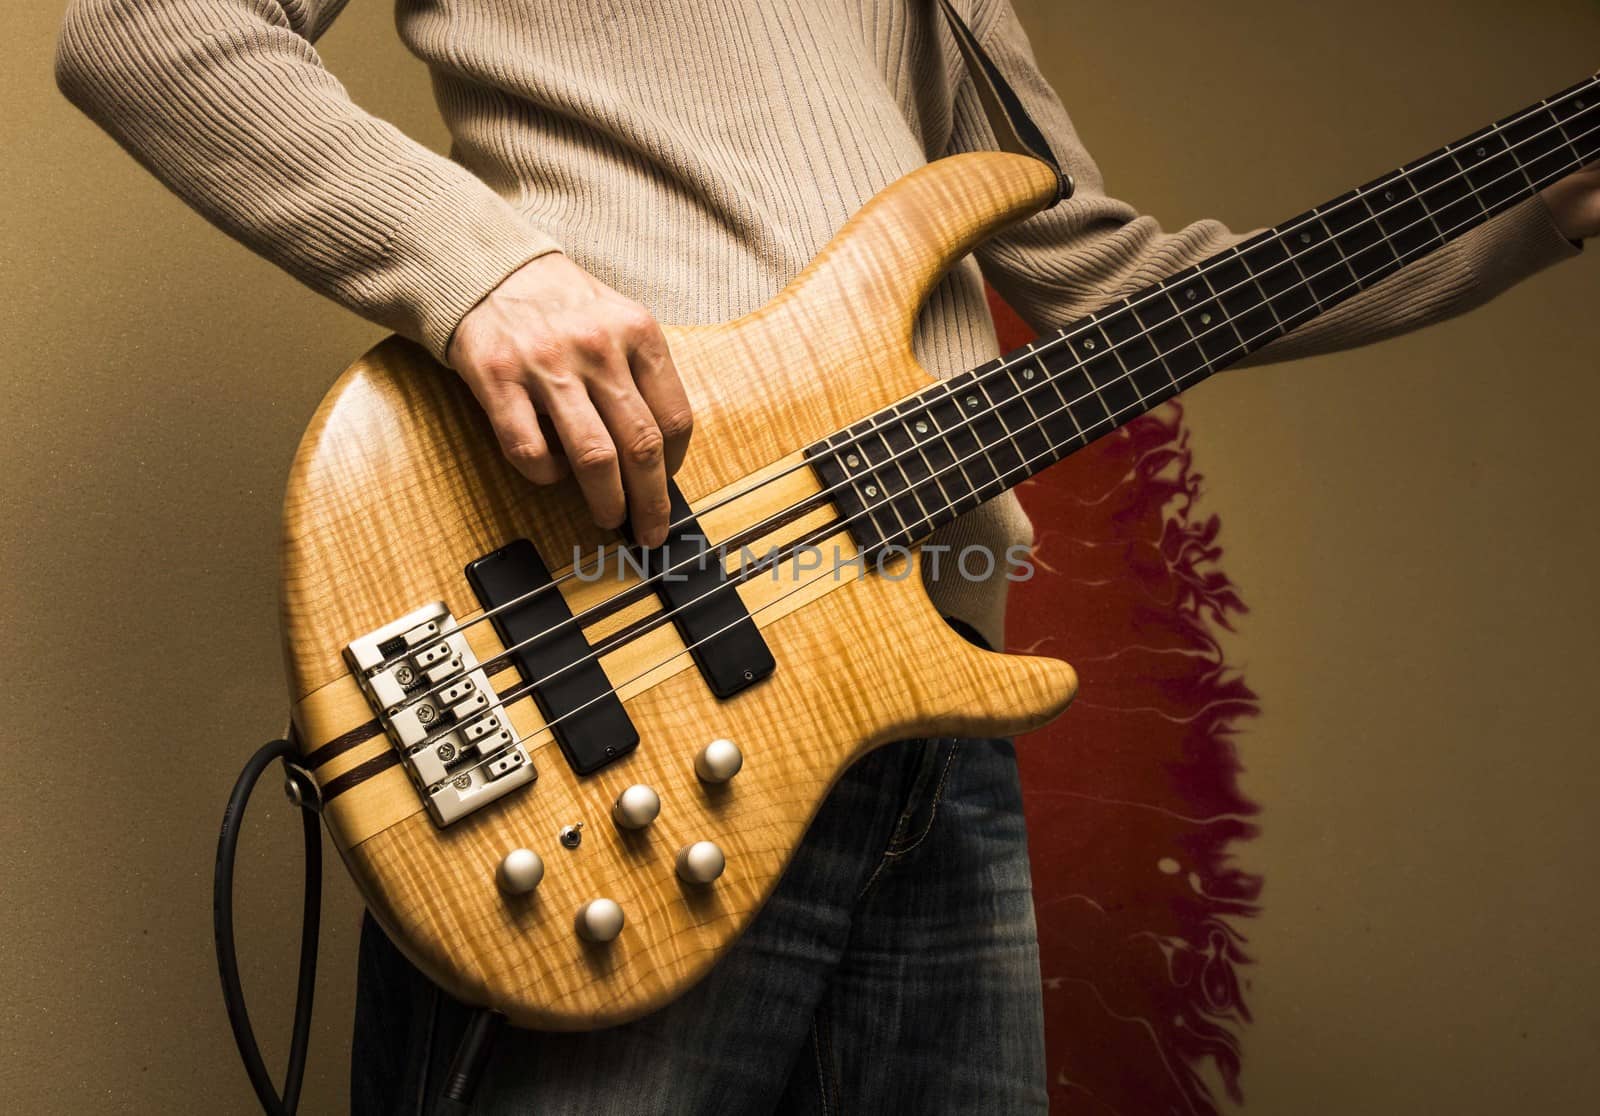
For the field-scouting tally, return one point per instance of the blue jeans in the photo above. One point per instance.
(894, 970)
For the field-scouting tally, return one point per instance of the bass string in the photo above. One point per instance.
(1064, 337)
(589, 615)
(601, 554)
(525, 689)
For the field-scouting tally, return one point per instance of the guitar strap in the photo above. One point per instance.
(1015, 130)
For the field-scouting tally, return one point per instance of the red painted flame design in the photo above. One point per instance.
(1132, 800)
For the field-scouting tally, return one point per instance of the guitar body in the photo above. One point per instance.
(398, 485)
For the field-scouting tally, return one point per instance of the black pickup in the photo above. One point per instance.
(724, 640)
(578, 703)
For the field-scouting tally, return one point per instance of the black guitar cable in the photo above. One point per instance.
(476, 1043)
(305, 796)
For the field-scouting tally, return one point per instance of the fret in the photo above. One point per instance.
(861, 461)
(854, 470)
(1491, 170)
(920, 433)
(1561, 130)
(922, 462)
(1516, 157)
(1137, 354)
(1439, 184)
(1542, 146)
(1403, 221)
(1276, 277)
(1053, 406)
(1085, 404)
(827, 458)
(1002, 447)
(1040, 395)
(1256, 263)
(1362, 241)
(972, 464)
(905, 448)
(1576, 114)
(1009, 397)
(1211, 315)
(1202, 317)
(1170, 338)
(895, 475)
(942, 453)
(1112, 389)
(981, 417)
(1001, 436)
(1421, 203)
(1326, 272)
(1246, 312)
(1473, 196)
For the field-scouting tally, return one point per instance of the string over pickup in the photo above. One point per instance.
(440, 713)
(708, 612)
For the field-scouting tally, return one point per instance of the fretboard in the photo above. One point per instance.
(917, 465)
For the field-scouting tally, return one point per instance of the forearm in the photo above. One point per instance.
(1465, 273)
(1093, 249)
(227, 102)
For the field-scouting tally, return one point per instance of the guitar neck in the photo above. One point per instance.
(901, 473)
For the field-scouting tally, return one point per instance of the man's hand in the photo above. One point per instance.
(1575, 203)
(574, 375)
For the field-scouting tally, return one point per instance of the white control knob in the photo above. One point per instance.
(700, 863)
(520, 872)
(636, 807)
(718, 761)
(598, 920)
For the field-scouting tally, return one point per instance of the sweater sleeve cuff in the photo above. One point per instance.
(1528, 240)
(449, 255)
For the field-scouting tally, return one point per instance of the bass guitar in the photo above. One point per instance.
(565, 773)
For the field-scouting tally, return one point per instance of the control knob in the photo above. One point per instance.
(718, 761)
(700, 863)
(636, 807)
(599, 921)
(520, 872)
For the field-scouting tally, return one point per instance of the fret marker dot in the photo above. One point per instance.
(852, 460)
(1205, 319)
(1581, 103)
(1388, 195)
(972, 400)
(871, 490)
(1088, 346)
(1027, 373)
(1305, 238)
(1479, 152)
(1191, 294)
(921, 428)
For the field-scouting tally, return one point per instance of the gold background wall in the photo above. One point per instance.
(1412, 526)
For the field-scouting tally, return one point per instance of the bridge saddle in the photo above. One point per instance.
(440, 713)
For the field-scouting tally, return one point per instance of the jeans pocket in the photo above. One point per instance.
(922, 801)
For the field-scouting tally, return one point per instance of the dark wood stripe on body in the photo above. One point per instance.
(360, 773)
(342, 743)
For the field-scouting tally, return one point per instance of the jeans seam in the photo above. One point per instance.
(892, 852)
(825, 1095)
(933, 808)
(883, 862)
(426, 1057)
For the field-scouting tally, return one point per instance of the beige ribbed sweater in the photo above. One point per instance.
(694, 154)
